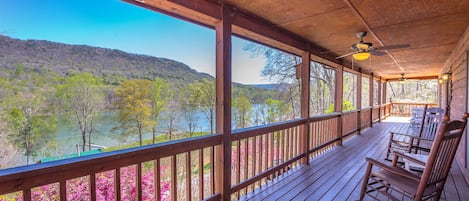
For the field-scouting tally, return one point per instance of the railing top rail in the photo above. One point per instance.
(243, 133)
(24, 177)
(324, 116)
(409, 103)
(350, 111)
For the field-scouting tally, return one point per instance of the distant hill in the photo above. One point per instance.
(266, 86)
(41, 55)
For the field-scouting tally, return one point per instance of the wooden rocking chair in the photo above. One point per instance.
(420, 139)
(392, 180)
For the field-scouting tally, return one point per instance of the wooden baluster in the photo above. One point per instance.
(139, 181)
(157, 179)
(266, 152)
(260, 158)
(238, 164)
(27, 195)
(117, 184)
(63, 190)
(188, 177)
(290, 143)
(212, 170)
(271, 143)
(93, 186)
(201, 174)
(254, 161)
(173, 178)
(278, 151)
(297, 144)
(246, 163)
(284, 146)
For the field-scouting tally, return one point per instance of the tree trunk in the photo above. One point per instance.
(140, 135)
(211, 122)
(83, 134)
(154, 133)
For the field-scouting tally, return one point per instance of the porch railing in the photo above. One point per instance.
(405, 109)
(185, 169)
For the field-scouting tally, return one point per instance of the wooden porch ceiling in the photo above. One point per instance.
(431, 27)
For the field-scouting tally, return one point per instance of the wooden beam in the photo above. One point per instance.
(359, 99)
(339, 93)
(413, 78)
(373, 33)
(205, 12)
(380, 88)
(223, 103)
(305, 99)
(372, 91)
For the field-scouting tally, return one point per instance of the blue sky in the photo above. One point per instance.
(119, 25)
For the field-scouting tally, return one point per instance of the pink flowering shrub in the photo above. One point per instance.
(78, 189)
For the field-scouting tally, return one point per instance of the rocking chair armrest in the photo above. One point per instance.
(420, 138)
(410, 158)
(404, 134)
(393, 169)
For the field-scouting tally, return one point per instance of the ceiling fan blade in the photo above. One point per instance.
(377, 53)
(331, 51)
(389, 47)
(342, 56)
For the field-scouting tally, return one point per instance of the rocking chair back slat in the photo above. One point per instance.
(385, 179)
(432, 120)
(441, 155)
(444, 151)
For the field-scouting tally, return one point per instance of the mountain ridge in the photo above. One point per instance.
(67, 59)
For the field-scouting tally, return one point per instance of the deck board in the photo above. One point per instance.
(338, 173)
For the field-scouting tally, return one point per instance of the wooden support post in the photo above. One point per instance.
(339, 93)
(384, 97)
(359, 100)
(223, 103)
(305, 97)
(372, 91)
(380, 88)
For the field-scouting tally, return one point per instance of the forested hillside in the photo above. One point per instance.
(110, 64)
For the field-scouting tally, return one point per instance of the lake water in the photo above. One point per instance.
(67, 135)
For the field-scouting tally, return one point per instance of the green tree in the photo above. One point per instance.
(134, 107)
(83, 99)
(28, 129)
(159, 96)
(346, 106)
(281, 67)
(242, 111)
(205, 93)
(173, 114)
(273, 110)
(189, 108)
(322, 81)
(7, 150)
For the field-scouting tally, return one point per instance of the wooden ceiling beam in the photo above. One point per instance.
(241, 19)
(413, 78)
(373, 33)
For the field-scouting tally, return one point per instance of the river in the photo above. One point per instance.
(64, 139)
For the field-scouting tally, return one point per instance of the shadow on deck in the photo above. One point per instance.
(337, 174)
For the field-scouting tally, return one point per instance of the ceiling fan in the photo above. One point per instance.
(362, 50)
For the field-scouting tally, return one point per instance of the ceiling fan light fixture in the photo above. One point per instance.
(362, 46)
(402, 79)
(361, 56)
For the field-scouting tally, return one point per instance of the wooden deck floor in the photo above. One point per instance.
(337, 174)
